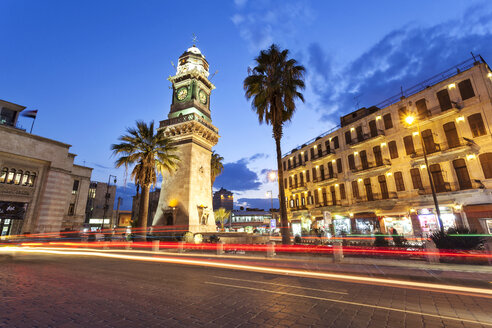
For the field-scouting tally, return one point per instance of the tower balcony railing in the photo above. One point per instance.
(188, 118)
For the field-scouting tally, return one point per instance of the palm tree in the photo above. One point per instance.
(152, 153)
(221, 215)
(216, 166)
(274, 85)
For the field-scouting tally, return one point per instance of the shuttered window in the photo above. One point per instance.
(444, 100)
(342, 191)
(348, 137)
(393, 149)
(416, 180)
(363, 159)
(451, 135)
(388, 123)
(409, 148)
(486, 161)
(360, 134)
(373, 128)
(400, 185)
(476, 125)
(336, 145)
(327, 145)
(333, 195)
(367, 185)
(377, 155)
(462, 174)
(437, 177)
(307, 175)
(316, 197)
(312, 153)
(355, 189)
(466, 89)
(314, 174)
(339, 165)
(285, 165)
(422, 108)
(351, 161)
(430, 146)
(383, 186)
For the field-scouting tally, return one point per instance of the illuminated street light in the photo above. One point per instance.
(272, 176)
(410, 120)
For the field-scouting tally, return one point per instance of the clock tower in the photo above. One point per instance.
(185, 202)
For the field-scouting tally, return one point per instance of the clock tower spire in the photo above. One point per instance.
(185, 200)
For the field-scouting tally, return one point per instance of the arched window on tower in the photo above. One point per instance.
(3, 174)
(18, 177)
(25, 178)
(10, 176)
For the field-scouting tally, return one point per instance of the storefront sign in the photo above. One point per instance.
(13, 210)
(273, 224)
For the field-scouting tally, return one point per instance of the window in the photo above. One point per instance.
(316, 197)
(303, 201)
(309, 198)
(285, 166)
(322, 172)
(373, 128)
(75, 187)
(290, 182)
(486, 162)
(430, 146)
(294, 161)
(314, 174)
(437, 177)
(10, 176)
(393, 149)
(377, 155)
(422, 108)
(367, 185)
(336, 145)
(462, 174)
(360, 135)
(342, 191)
(18, 177)
(32, 179)
(355, 189)
(291, 203)
(363, 159)
(320, 151)
(306, 156)
(409, 148)
(416, 180)
(400, 185)
(383, 186)
(312, 153)
(330, 170)
(333, 195)
(476, 125)
(71, 209)
(299, 157)
(388, 123)
(285, 185)
(451, 134)
(295, 181)
(325, 198)
(307, 175)
(466, 89)
(297, 201)
(351, 162)
(339, 165)
(348, 137)
(444, 100)
(402, 112)
(3, 174)
(327, 146)
(301, 178)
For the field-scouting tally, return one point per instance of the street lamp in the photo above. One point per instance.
(411, 120)
(107, 196)
(272, 176)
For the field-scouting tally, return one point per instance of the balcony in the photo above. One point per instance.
(297, 187)
(298, 208)
(324, 153)
(326, 179)
(295, 165)
(372, 167)
(367, 136)
(447, 187)
(443, 152)
(377, 197)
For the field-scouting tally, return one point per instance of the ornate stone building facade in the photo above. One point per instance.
(185, 201)
(369, 173)
(41, 189)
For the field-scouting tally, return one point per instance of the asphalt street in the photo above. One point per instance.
(79, 291)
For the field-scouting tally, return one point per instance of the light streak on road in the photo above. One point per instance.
(450, 289)
(352, 303)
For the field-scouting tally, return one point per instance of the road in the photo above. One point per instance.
(45, 290)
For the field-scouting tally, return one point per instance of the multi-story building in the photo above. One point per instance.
(41, 189)
(251, 220)
(369, 174)
(223, 198)
(100, 204)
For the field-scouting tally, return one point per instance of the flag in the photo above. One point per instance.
(30, 113)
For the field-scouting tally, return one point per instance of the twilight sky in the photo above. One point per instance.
(92, 68)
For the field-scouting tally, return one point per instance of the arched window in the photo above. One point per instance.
(32, 179)
(486, 161)
(25, 178)
(10, 176)
(3, 174)
(18, 177)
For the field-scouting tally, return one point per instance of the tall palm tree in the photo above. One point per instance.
(274, 85)
(216, 166)
(152, 153)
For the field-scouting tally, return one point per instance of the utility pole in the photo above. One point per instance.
(107, 197)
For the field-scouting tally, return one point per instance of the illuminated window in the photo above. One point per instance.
(25, 178)
(75, 187)
(10, 176)
(32, 179)
(3, 175)
(18, 177)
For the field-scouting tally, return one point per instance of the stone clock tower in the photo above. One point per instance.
(185, 202)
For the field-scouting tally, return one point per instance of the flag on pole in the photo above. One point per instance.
(30, 113)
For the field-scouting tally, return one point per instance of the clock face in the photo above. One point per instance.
(203, 97)
(182, 93)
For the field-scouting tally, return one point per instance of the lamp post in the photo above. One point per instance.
(410, 120)
(107, 196)
(272, 177)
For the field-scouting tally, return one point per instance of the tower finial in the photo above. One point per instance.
(194, 39)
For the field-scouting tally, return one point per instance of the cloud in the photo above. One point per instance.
(401, 59)
(240, 3)
(262, 203)
(258, 156)
(237, 176)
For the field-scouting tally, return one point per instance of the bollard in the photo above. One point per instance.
(220, 248)
(271, 249)
(337, 251)
(129, 245)
(155, 245)
(180, 246)
(430, 247)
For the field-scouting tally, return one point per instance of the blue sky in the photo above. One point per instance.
(92, 68)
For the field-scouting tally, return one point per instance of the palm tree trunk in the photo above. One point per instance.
(144, 210)
(284, 223)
